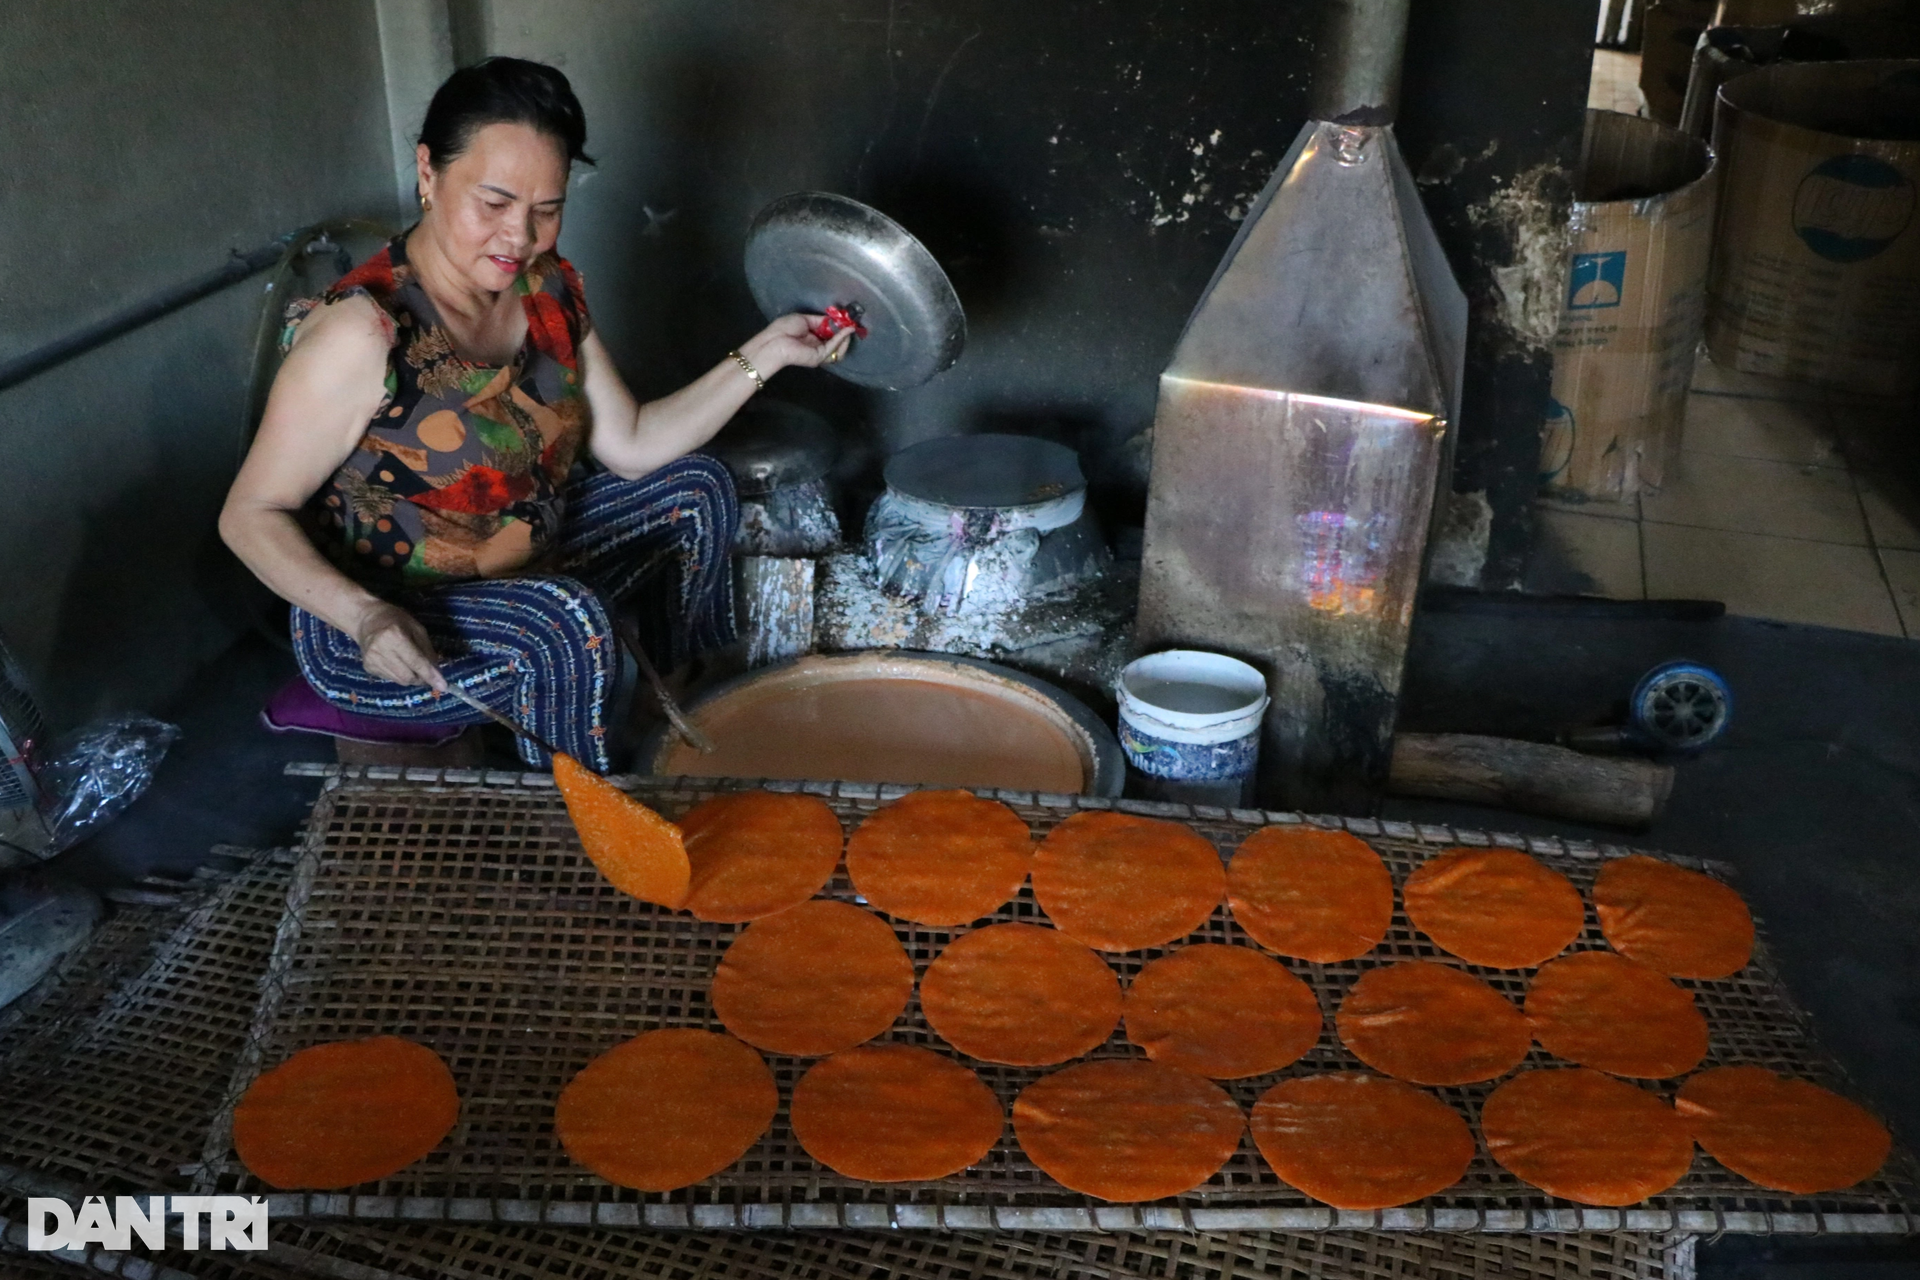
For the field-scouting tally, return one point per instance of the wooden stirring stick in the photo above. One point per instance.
(505, 722)
(694, 738)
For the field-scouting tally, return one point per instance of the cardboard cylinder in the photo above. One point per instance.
(1816, 265)
(1630, 322)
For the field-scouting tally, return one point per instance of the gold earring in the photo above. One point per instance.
(426, 204)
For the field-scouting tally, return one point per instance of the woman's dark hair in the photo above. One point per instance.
(503, 91)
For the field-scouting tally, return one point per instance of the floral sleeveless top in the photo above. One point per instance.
(461, 472)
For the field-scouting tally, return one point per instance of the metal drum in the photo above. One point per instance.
(983, 523)
(779, 455)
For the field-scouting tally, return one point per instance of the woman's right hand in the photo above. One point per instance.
(394, 646)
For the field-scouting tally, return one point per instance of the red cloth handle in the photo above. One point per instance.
(836, 319)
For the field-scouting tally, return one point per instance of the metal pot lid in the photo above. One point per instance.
(771, 443)
(988, 470)
(812, 250)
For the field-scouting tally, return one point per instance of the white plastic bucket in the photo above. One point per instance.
(1191, 716)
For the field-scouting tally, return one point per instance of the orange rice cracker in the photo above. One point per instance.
(666, 1108)
(1358, 1141)
(337, 1115)
(1585, 1137)
(1786, 1135)
(1127, 1130)
(1431, 1024)
(1220, 1011)
(940, 857)
(753, 853)
(1613, 1014)
(813, 979)
(894, 1113)
(1313, 894)
(1020, 994)
(1119, 882)
(1494, 907)
(1681, 922)
(639, 851)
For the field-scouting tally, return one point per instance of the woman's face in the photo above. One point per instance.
(497, 204)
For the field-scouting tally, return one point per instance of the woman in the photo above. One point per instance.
(414, 491)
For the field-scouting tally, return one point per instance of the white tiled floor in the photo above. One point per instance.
(1615, 85)
(1765, 511)
(1826, 584)
(1903, 571)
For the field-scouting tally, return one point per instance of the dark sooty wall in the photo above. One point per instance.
(1078, 167)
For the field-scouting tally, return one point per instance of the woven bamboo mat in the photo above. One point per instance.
(118, 1068)
(457, 910)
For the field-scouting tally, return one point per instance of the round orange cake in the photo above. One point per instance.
(894, 1113)
(1786, 1135)
(1127, 1130)
(753, 853)
(1314, 894)
(1494, 907)
(666, 1109)
(940, 857)
(1021, 994)
(1225, 1012)
(1357, 1141)
(1585, 1137)
(1118, 882)
(638, 851)
(340, 1114)
(814, 979)
(1614, 1014)
(1683, 923)
(1431, 1024)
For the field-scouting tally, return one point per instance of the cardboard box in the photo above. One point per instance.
(1816, 264)
(1766, 13)
(1642, 229)
(1668, 34)
(1726, 53)
(1671, 29)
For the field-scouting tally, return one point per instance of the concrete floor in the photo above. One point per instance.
(1814, 796)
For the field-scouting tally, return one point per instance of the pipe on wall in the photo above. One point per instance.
(237, 268)
(1358, 81)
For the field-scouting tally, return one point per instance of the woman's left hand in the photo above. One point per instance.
(789, 341)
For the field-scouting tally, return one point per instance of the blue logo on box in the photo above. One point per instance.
(1597, 280)
(1851, 207)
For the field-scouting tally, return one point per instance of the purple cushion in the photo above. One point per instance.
(296, 708)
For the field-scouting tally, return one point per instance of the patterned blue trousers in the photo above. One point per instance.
(543, 649)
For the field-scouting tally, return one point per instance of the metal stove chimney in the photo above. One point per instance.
(1302, 434)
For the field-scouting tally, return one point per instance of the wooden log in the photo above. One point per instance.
(1532, 777)
(775, 596)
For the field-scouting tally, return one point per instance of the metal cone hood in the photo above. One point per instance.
(1301, 434)
(1335, 286)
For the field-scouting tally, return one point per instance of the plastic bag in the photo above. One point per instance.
(96, 774)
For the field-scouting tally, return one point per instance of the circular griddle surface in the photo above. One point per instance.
(987, 470)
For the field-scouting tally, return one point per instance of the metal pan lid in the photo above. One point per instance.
(812, 250)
